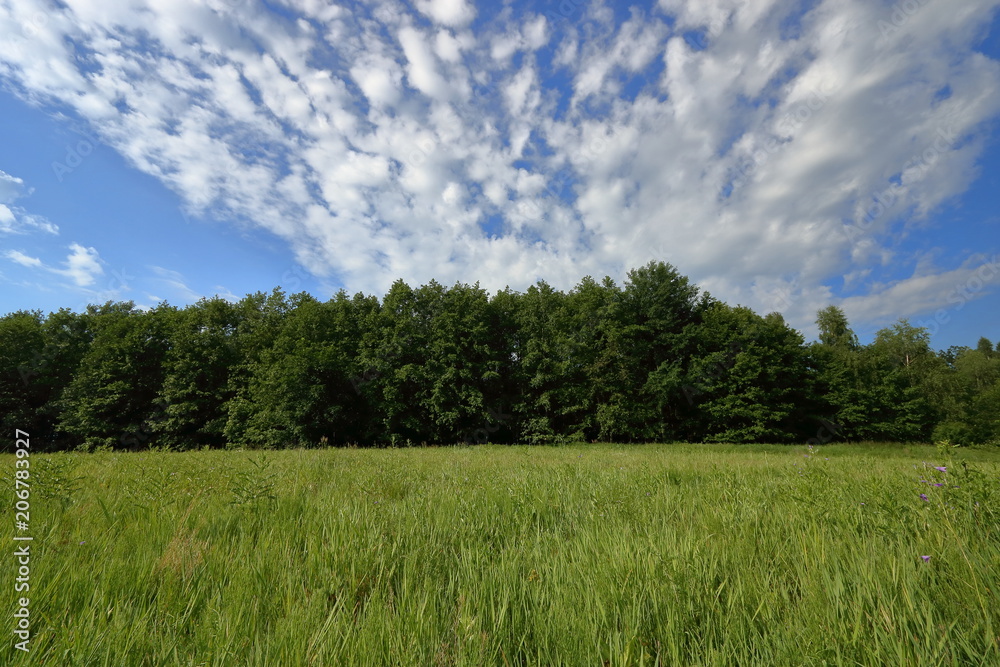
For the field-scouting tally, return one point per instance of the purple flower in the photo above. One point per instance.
(923, 496)
(924, 481)
(941, 468)
(926, 558)
(939, 485)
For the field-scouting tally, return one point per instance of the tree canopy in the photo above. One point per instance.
(654, 359)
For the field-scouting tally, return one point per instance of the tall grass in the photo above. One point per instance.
(576, 555)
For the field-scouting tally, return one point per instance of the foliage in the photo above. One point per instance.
(654, 359)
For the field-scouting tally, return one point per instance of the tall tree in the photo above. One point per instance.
(301, 386)
(834, 329)
(553, 382)
(394, 351)
(749, 377)
(899, 364)
(973, 416)
(111, 400)
(260, 318)
(22, 343)
(986, 347)
(197, 366)
(659, 311)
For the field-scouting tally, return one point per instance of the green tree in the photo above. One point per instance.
(464, 364)
(433, 365)
(834, 329)
(896, 373)
(22, 343)
(972, 417)
(197, 366)
(301, 386)
(552, 383)
(749, 377)
(659, 312)
(111, 400)
(259, 318)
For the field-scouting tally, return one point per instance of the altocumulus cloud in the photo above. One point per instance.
(769, 150)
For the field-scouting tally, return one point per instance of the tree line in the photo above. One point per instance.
(654, 359)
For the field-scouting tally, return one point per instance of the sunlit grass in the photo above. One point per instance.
(576, 555)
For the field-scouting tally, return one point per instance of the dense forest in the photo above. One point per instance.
(655, 359)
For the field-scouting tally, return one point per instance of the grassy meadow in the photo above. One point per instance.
(494, 555)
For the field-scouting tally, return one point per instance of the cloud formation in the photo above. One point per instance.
(82, 265)
(13, 219)
(767, 150)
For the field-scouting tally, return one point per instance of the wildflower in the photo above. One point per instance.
(941, 468)
(923, 496)
(926, 558)
(939, 485)
(83, 542)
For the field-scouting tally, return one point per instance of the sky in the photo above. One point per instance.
(784, 155)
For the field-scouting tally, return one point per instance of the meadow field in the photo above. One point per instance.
(512, 555)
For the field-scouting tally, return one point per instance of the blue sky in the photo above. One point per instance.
(784, 155)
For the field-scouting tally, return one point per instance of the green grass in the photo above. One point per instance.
(575, 555)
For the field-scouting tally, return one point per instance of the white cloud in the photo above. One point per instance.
(378, 147)
(11, 187)
(82, 265)
(24, 260)
(14, 219)
(379, 79)
(422, 70)
(448, 47)
(176, 282)
(453, 13)
(927, 292)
